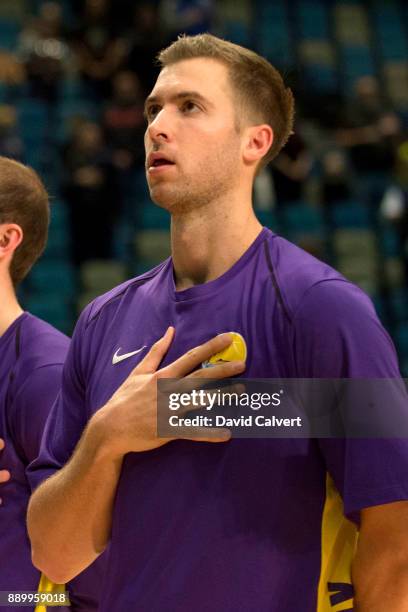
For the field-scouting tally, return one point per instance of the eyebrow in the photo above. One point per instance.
(175, 98)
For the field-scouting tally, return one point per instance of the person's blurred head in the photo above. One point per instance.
(50, 18)
(334, 163)
(366, 88)
(126, 87)
(8, 118)
(95, 9)
(24, 211)
(145, 16)
(389, 124)
(88, 137)
(218, 112)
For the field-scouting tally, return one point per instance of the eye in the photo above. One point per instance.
(152, 111)
(189, 106)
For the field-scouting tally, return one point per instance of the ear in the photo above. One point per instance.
(11, 236)
(258, 141)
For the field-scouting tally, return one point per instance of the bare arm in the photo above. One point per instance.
(70, 515)
(380, 568)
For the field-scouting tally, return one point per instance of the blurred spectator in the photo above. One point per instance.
(370, 129)
(90, 192)
(124, 122)
(394, 204)
(145, 39)
(290, 169)
(12, 71)
(44, 52)
(11, 144)
(186, 16)
(401, 165)
(100, 52)
(335, 178)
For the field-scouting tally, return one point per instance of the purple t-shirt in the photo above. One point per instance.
(249, 524)
(32, 357)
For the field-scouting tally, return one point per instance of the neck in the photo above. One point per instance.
(206, 242)
(10, 308)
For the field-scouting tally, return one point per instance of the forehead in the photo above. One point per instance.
(207, 76)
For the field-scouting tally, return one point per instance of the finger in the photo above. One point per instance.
(223, 370)
(1, 444)
(195, 356)
(4, 475)
(152, 360)
(198, 379)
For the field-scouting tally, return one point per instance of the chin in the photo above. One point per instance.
(162, 201)
(164, 197)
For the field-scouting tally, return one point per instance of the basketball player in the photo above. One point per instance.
(32, 355)
(252, 525)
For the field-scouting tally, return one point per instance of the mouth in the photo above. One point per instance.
(161, 162)
(158, 163)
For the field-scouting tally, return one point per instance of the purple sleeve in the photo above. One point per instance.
(31, 406)
(66, 420)
(337, 335)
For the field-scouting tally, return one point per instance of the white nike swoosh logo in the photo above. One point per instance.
(117, 358)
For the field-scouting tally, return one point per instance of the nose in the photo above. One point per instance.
(158, 129)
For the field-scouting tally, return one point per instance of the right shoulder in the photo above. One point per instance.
(111, 300)
(106, 317)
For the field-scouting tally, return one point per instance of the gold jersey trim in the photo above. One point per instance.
(338, 546)
(46, 586)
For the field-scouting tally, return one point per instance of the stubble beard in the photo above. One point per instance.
(213, 180)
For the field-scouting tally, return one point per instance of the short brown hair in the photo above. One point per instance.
(24, 201)
(258, 84)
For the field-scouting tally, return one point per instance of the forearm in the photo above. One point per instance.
(69, 515)
(381, 585)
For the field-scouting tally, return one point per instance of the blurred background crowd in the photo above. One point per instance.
(73, 77)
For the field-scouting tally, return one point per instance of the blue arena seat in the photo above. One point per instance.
(140, 267)
(51, 276)
(237, 32)
(71, 89)
(380, 308)
(401, 338)
(356, 61)
(321, 78)
(350, 214)
(9, 31)
(3, 93)
(389, 241)
(398, 300)
(33, 118)
(154, 217)
(303, 224)
(53, 308)
(273, 37)
(312, 19)
(58, 245)
(268, 219)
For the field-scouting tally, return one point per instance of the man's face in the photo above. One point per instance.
(191, 141)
